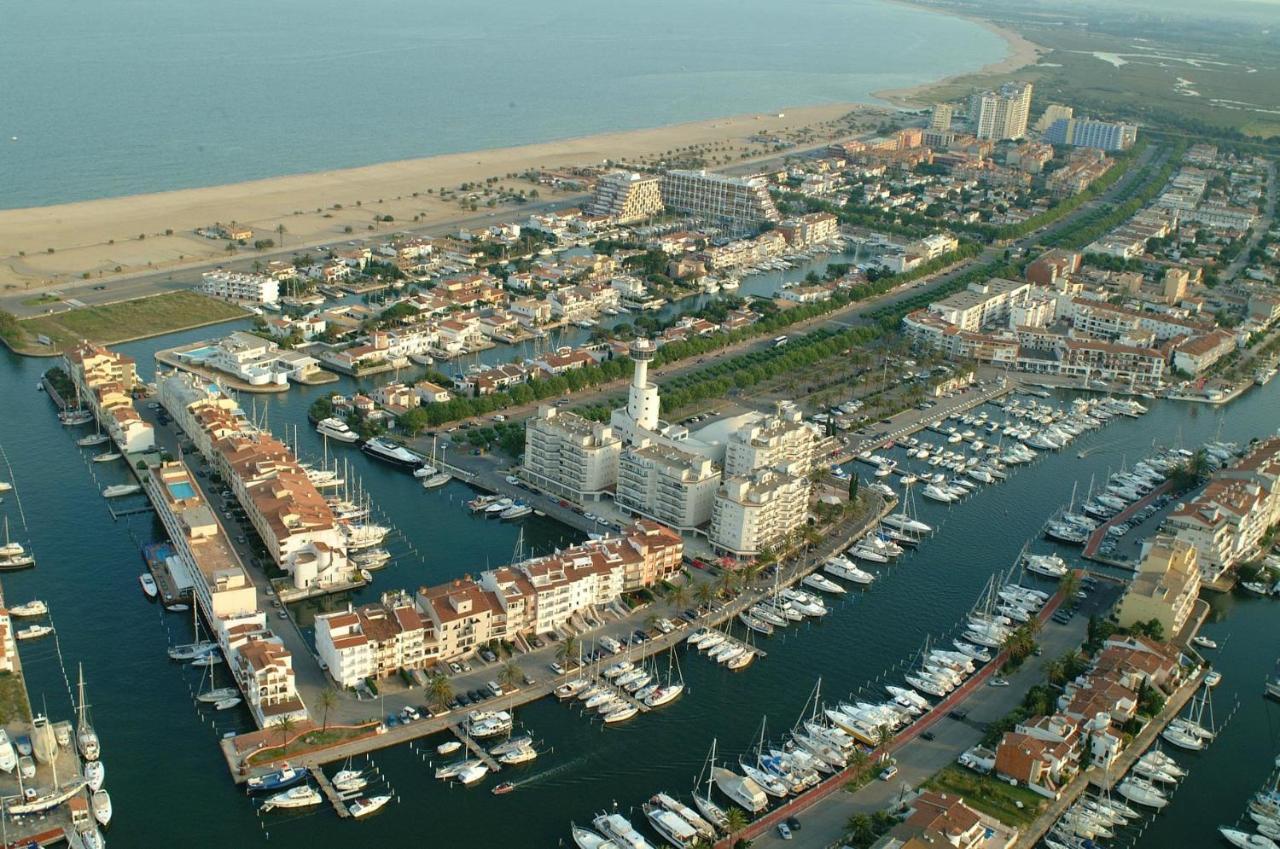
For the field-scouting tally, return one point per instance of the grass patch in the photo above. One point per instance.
(41, 300)
(111, 323)
(989, 795)
(13, 699)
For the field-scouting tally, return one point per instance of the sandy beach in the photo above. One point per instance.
(78, 244)
(100, 238)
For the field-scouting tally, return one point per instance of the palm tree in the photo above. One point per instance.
(704, 592)
(285, 725)
(327, 699)
(510, 674)
(679, 595)
(1069, 583)
(860, 830)
(726, 584)
(735, 821)
(568, 649)
(280, 231)
(885, 738)
(858, 760)
(439, 690)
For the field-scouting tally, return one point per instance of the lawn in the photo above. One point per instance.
(989, 795)
(13, 699)
(111, 323)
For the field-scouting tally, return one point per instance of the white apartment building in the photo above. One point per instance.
(736, 203)
(105, 381)
(758, 510)
(780, 439)
(981, 304)
(235, 286)
(372, 641)
(667, 484)
(264, 669)
(627, 197)
(569, 456)
(1002, 114)
(252, 359)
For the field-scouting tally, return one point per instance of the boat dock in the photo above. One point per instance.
(475, 748)
(330, 792)
(623, 694)
(155, 556)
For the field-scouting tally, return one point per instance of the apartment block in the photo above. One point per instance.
(236, 286)
(736, 203)
(105, 381)
(667, 484)
(264, 668)
(1165, 588)
(1001, 114)
(627, 197)
(1086, 132)
(758, 510)
(981, 304)
(569, 456)
(779, 439)
(372, 641)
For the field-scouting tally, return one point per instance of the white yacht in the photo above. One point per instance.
(742, 790)
(389, 452)
(585, 838)
(8, 757)
(336, 428)
(121, 489)
(618, 829)
(302, 796)
(704, 828)
(364, 807)
(671, 826)
(34, 607)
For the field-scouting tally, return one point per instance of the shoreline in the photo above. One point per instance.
(1022, 52)
(109, 238)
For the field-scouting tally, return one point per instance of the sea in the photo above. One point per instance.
(121, 97)
(169, 782)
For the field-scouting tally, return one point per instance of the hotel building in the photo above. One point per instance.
(627, 197)
(781, 439)
(736, 203)
(1165, 588)
(569, 456)
(758, 510)
(372, 641)
(668, 484)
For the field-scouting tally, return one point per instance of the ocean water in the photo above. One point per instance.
(118, 97)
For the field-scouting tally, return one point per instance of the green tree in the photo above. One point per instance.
(568, 649)
(853, 488)
(439, 690)
(735, 821)
(286, 725)
(860, 831)
(511, 674)
(327, 699)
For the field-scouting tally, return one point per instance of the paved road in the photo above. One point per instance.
(823, 824)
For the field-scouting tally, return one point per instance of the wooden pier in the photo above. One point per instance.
(330, 792)
(475, 748)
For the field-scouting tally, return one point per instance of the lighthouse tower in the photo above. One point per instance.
(642, 398)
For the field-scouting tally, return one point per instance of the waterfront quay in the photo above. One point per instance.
(236, 750)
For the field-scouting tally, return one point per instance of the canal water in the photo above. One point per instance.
(170, 786)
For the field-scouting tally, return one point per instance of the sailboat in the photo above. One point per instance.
(671, 690)
(756, 772)
(86, 737)
(713, 812)
(193, 650)
(439, 477)
(12, 554)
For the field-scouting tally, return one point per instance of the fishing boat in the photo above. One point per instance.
(34, 632)
(276, 779)
(303, 796)
(365, 806)
(34, 607)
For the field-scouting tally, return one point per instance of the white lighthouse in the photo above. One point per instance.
(643, 403)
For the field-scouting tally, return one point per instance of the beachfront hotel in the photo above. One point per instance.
(738, 204)
(626, 197)
(758, 510)
(105, 381)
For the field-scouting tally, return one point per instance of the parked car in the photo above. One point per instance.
(784, 831)
(888, 772)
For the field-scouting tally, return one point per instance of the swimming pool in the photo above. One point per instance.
(182, 490)
(201, 353)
